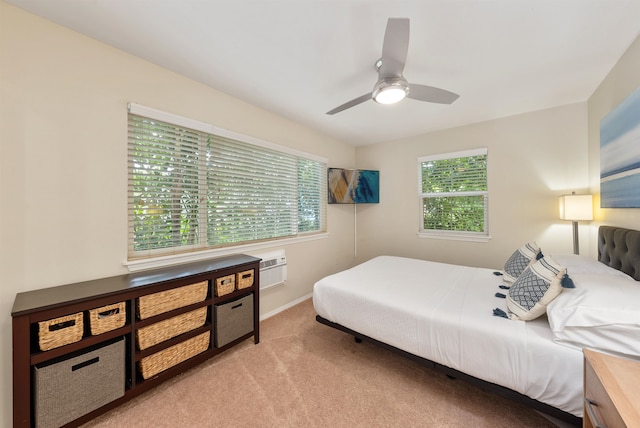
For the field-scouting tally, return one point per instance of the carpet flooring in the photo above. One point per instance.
(305, 374)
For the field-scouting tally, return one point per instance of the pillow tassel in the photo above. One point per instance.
(539, 255)
(500, 313)
(504, 287)
(567, 282)
(500, 295)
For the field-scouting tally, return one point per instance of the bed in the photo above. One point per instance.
(465, 320)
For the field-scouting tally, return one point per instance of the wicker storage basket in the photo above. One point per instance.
(160, 361)
(244, 279)
(107, 318)
(60, 331)
(169, 328)
(165, 301)
(225, 285)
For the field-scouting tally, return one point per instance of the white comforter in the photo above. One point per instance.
(443, 313)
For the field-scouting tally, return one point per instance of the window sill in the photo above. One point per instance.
(175, 259)
(454, 236)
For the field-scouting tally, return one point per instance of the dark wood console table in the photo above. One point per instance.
(226, 284)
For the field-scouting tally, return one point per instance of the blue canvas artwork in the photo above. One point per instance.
(620, 155)
(353, 186)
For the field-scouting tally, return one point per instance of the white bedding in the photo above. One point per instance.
(443, 313)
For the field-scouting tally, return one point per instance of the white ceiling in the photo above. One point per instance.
(301, 58)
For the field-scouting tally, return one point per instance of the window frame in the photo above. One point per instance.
(454, 234)
(146, 259)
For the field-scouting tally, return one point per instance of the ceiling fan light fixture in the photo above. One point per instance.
(390, 92)
(391, 86)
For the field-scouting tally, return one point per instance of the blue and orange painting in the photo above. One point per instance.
(353, 186)
(620, 155)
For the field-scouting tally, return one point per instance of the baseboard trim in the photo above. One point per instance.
(285, 307)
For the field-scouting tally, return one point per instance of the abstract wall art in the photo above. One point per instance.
(620, 155)
(353, 186)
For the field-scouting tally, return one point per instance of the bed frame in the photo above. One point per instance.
(620, 249)
(617, 247)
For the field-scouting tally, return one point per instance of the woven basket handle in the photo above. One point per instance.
(62, 325)
(109, 313)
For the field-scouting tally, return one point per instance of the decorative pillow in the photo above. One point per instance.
(600, 313)
(519, 261)
(534, 289)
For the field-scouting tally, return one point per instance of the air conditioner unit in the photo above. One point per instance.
(273, 268)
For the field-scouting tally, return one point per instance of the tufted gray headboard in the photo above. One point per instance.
(620, 249)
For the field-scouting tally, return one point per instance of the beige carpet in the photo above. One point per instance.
(304, 374)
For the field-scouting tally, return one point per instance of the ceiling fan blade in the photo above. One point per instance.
(351, 103)
(431, 94)
(395, 47)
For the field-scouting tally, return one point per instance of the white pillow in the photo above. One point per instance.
(534, 289)
(521, 258)
(576, 264)
(602, 312)
(620, 339)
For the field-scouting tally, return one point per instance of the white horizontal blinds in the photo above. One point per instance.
(460, 173)
(466, 213)
(251, 192)
(164, 187)
(454, 192)
(312, 195)
(190, 189)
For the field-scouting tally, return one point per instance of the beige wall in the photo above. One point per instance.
(532, 159)
(63, 158)
(63, 115)
(623, 79)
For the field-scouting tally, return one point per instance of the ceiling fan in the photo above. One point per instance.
(391, 86)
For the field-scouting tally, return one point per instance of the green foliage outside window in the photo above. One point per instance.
(454, 194)
(164, 174)
(462, 213)
(191, 189)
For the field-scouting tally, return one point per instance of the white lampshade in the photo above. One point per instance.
(576, 207)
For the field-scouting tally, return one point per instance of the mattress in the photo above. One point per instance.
(444, 313)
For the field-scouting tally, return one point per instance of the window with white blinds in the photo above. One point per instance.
(193, 189)
(453, 194)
